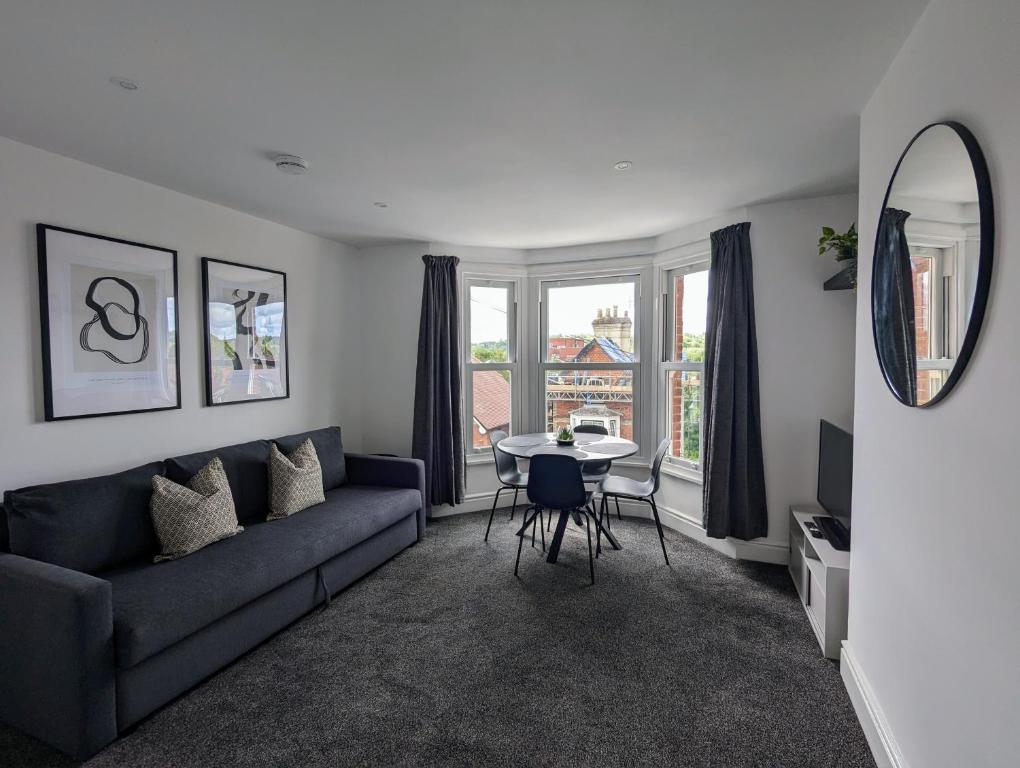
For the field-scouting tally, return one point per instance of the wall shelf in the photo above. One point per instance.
(842, 280)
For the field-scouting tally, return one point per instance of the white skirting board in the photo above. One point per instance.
(876, 728)
(761, 551)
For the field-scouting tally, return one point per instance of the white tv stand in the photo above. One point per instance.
(822, 577)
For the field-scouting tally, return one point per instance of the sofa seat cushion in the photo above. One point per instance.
(156, 606)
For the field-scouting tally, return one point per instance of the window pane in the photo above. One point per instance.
(490, 401)
(594, 321)
(688, 315)
(489, 323)
(929, 382)
(683, 412)
(922, 274)
(575, 397)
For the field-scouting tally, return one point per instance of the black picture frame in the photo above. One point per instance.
(983, 282)
(210, 397)
(43, 257)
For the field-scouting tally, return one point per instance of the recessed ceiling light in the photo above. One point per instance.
(126, 83)
(291, 164)
(623, 165)
(381, 204)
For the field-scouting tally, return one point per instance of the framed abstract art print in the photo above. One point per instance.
(245, 333)
(108, 309)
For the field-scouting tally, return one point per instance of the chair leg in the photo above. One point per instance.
(658, 525)
(533, 528)
(514, 507)
(617, 499)
(541, 527)
(520, 536)
(598, 533)
(495, 501)
(591, 559)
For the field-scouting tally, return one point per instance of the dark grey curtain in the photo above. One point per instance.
(733, 463)
(438, 437)
(893, 306)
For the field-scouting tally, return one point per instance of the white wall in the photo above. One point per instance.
(323, 295)
(805, 339)
(805, 357)
(934, 612)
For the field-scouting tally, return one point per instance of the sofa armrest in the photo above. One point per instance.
(57, 671)
(391, 472)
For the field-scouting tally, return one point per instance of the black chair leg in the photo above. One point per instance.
(617, 499)
(514, 507)
(521, 534)
(598, 533)
(658, 525)
(495, 501)
(591, 559)
(541, 527)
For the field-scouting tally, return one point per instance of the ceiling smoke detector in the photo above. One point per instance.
(291, 164)
(126, 83)
(381, 204)
(623, 165)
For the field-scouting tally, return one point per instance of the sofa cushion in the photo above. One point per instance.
(189, 517)
(295, 480)
(86, 525)
(329, 447)
(5, 539)
(155, 606)
(245, 465)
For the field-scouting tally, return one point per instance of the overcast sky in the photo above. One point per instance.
(572, 308)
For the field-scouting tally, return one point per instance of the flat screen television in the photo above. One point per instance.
(835, 472)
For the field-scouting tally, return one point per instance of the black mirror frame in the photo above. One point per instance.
(985, 258)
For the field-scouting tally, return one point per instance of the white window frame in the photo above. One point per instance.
(948, 296)
(696, 262)
(513, 363)
(622, 275)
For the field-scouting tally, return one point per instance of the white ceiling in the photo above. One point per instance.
(483, 122)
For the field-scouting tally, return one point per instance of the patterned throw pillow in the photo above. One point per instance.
(187, 518)
(295, 481)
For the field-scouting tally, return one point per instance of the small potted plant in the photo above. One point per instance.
(565, 436)
(844, 245)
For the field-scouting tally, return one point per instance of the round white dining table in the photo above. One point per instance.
(586, 447)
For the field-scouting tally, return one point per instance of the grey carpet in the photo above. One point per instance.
(442, 657)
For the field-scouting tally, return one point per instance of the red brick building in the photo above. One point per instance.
(594, 396)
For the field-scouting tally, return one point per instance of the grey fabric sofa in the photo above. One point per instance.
(94, 636)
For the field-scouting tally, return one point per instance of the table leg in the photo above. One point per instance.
(557, 539)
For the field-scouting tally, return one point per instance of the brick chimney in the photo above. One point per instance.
(618, 329)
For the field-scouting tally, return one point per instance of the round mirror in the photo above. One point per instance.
(933, 264)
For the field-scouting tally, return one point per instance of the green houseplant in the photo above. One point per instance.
(844, 246)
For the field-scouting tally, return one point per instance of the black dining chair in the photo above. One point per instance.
(616, 488)
(594, 471)
(509, 474)
(555, 483)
